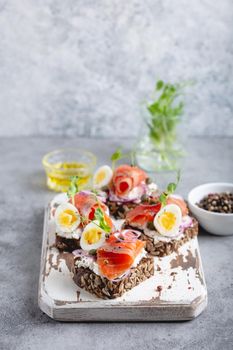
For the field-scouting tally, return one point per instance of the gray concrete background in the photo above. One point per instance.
(23, 195)
(84, 67)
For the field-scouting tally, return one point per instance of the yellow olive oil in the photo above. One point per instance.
(59, 174)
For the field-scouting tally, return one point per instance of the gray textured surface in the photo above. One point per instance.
(22, 198)
(80, 67)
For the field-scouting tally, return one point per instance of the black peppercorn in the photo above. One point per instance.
(218, 202)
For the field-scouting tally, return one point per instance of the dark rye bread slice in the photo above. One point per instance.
(119, 210)
(66, 244)
(106, 289)
(161, 249)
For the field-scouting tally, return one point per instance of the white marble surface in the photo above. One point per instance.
(83, 67)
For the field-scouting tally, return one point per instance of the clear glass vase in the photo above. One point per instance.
(159, 161)
(155, 157)
(160, 153)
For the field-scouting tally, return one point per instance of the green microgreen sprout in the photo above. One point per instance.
(99, 216)
(164, 114)
(73, 188)
(118, 155)
(171, 187)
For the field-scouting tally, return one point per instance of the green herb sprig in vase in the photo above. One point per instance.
(160, 149)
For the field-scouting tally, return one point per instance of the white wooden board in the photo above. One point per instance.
(177, 291)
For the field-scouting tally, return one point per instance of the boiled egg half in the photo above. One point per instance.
(67, 217)
(168, 220)
(92, 237)
(102, 177)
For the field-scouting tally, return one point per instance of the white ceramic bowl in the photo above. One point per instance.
(216, 223)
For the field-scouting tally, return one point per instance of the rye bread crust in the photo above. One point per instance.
(66, 244)
(161, 249)
(106, 289)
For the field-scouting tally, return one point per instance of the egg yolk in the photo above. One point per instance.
(100, 177)
(67, 218)
(167, 220)
(92, 236)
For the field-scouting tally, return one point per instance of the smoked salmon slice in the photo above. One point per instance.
(142, 214)
(116, 256)
(87, 203)
(125, 178)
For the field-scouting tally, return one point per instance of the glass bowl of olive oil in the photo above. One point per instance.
(61, 165)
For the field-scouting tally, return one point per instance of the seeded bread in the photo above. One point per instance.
(66, 244)
(106, 289)
(119, 210)
(161, 249)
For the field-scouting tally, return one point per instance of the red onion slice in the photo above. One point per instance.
(127, 235)
(125, 274)
(186, 222)
(135, 233)
(80, 253)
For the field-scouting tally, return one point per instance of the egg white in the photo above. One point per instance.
(86, 245)
(60, 209)
(174, 231)
(108, 173)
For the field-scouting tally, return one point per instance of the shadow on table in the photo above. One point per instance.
(206, 234)
(31, 270)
